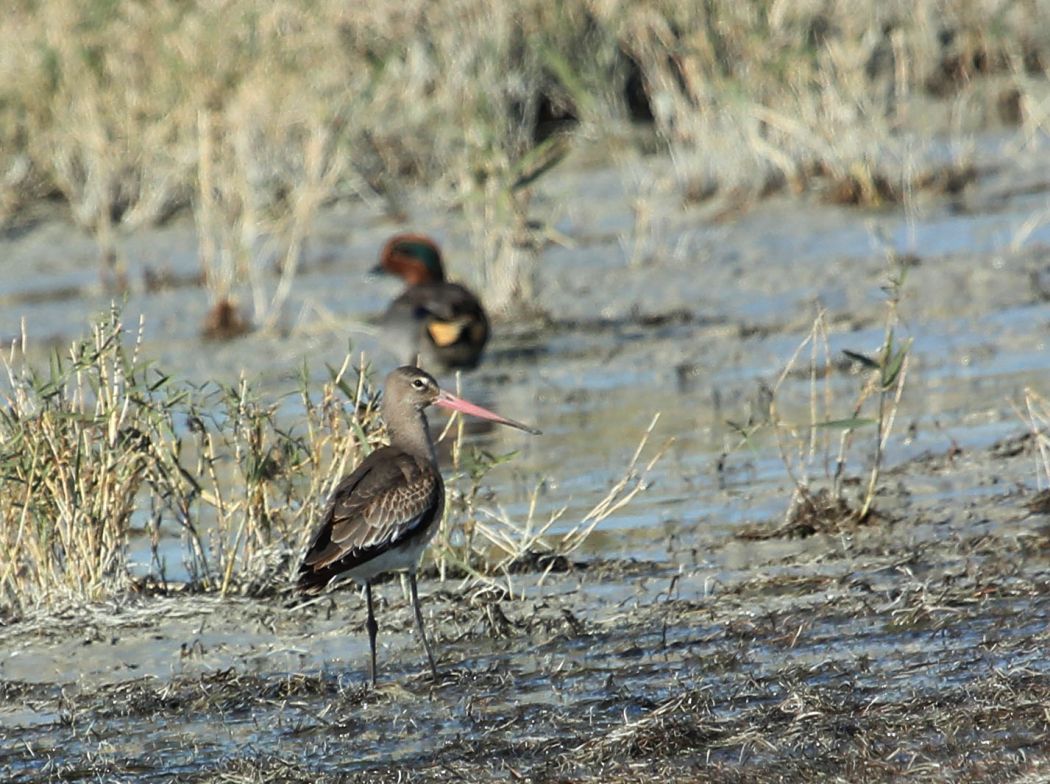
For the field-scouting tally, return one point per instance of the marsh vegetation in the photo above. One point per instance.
(253, 116)
(773, 276)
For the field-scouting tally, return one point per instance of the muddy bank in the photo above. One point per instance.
(915, 648)
(699, 637)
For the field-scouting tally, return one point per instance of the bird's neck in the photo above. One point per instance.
(410, 432)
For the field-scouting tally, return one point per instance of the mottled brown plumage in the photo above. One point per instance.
(391, 497)
(381, 517)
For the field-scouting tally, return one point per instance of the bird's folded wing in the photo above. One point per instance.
(383, 501)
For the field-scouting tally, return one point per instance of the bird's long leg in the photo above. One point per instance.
(373, 628)
(419, 623)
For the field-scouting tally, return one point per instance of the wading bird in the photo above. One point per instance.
(442, 323)
(381, 517)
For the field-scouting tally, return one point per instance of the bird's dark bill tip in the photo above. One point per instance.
(448, 400)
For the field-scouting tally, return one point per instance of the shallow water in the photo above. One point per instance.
(918, 605)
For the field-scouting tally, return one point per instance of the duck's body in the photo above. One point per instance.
(381, 517)
(440, 323)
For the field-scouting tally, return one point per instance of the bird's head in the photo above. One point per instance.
(410, 387)
(415, 258)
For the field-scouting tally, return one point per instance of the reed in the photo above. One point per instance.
(253, 115)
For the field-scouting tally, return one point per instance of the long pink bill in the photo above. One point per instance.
(448, 400)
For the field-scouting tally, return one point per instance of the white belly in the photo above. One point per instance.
(398, 559)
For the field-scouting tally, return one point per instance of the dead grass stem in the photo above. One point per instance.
(495, 544)
(806, 448)
(1037, 411)
(105, 448)
(254, 114)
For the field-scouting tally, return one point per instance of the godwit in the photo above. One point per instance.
(381, 517)
(441, 322)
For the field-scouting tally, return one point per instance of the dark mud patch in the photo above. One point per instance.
(907, 650)
(813, 513)
(895, 659)
(791, 730)
(226, 693)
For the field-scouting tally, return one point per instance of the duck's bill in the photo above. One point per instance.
(448, 400)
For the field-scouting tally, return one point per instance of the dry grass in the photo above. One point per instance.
(76, 453)
(489, 546)
(761, 98)
(819, 468)
(105, 447)
(1037, 414)
(255, 114)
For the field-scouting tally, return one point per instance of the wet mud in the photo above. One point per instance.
(915, 647)
(701, 633)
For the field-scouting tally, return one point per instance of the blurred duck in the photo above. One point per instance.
(433, 323)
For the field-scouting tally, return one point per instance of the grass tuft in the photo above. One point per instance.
(104, 450)
(808, 448)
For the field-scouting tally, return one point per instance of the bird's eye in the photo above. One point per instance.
(419, 384)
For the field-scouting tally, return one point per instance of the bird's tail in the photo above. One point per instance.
(312, 581)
